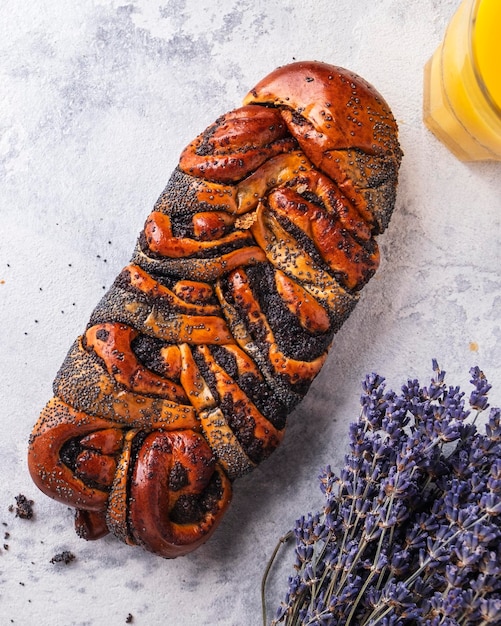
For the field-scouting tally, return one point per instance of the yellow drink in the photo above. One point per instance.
(462, 87)
(487, 49)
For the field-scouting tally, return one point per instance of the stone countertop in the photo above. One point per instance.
(97, 101)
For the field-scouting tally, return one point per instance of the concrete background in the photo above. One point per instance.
(97, 100)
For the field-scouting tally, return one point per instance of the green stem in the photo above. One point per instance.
(333, 581)
(378, 618)
(292, 620)
(376, 558)
(280, 542)
(319, 559)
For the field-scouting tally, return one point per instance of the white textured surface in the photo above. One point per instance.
(97, 99)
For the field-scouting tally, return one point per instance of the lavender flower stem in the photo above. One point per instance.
(374, 565)
(280, 543)
(374, 619)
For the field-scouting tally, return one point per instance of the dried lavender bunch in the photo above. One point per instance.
(410, 530)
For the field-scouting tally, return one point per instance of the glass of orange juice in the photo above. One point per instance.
(462, 83)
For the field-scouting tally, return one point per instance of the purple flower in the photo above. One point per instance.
(490, 609)
(410, 531)
(478, 397)
(493, 428)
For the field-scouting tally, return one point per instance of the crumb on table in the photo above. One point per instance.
(23, 508)
(65, 557)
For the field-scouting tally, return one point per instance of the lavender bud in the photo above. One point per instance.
(490, 503)
(478, 397)
(493, 426)
(454, 575)
(327, 481)
(495, 470)
(454, 603)
(490, 609)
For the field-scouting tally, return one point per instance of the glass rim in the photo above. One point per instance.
(474, 61)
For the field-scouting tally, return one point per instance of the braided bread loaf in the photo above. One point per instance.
(250, 261)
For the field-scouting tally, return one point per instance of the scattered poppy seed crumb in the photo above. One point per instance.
(65, 557)
(129, 619)
(24, 507)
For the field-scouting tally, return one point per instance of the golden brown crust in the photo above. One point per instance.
(249, 263)
(342, 107)
(169, 517)
(345, 128)
(113, 344)
(59, 423)
(236, 144)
